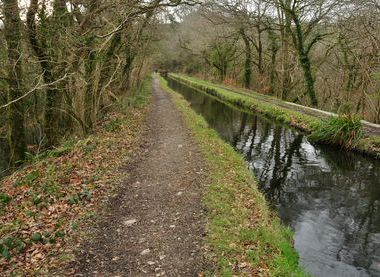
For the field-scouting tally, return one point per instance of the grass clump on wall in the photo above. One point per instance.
(344, 130)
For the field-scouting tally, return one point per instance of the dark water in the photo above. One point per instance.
(329, 197)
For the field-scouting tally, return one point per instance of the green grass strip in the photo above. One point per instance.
(369, 145)
(244, 237)
(293, 118)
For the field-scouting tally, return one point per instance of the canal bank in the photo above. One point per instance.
(300, 117)
(330, 198)
(244, 237)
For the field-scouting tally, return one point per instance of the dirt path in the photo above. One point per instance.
(155, 225)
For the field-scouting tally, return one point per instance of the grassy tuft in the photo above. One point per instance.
(244, 237)
(345, 131)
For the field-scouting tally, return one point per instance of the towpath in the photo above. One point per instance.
(155, 223)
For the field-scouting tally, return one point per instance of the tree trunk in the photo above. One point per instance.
(248, 61)
(309, 79)
(89, 93)
(304, 59)
(12, 32)
(53, 94)
(129, 59)
(89, 55)
(285, 56)
(274, 49)
(106, 68)
(260, 52)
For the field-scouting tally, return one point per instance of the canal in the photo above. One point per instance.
(330, 198)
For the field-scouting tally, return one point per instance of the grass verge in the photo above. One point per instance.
(349, 137)
(283, 115)
(44, 205)
(344, 131)
(245, 238)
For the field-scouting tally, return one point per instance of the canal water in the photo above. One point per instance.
(330, 198)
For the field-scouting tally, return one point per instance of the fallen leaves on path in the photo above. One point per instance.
(43, 205)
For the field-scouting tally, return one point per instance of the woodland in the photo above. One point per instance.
(66, 63)
(320, 53)
(108, 168)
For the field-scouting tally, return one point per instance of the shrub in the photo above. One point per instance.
(343, 130)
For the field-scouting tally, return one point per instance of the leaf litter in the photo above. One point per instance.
(43, 205)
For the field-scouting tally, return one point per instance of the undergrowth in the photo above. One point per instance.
(344, 131)
(44, 205)
(244, 237)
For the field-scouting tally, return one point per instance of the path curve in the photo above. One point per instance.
(155, 224)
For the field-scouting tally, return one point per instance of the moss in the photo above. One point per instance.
(243, 234)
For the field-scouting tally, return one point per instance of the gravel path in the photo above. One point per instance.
(155, 224)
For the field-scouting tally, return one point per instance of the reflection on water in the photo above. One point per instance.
(330, 198)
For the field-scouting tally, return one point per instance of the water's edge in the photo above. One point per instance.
(304, 122)
(330, 198)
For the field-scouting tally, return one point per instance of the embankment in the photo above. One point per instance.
(302, 118)
(45, 205)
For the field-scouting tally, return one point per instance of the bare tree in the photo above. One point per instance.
(306, 15)
(12, 30)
